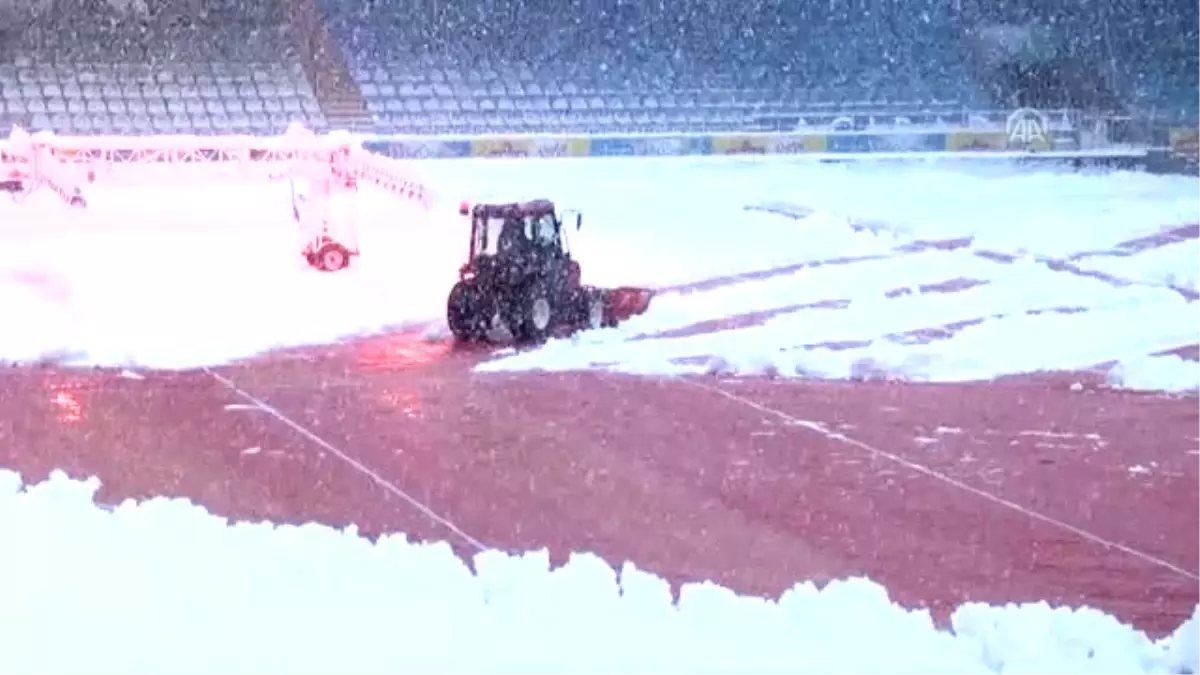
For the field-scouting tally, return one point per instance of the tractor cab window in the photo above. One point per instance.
(494, 227)
(543, 229)
(514, 235)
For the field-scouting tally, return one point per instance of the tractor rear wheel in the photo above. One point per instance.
(467, 313)
(538, 315)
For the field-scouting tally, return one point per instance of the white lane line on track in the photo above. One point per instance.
(943, 478)
(374, 476)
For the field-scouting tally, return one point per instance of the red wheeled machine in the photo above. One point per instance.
(520, 278)
(328, 243)
(30, 161)
(323, 195)
(327, 173)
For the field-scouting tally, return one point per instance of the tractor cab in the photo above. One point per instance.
(527, 229)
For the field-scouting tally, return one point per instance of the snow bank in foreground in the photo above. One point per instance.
(164, 586)
(1156, 373)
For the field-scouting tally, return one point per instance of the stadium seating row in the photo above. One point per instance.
(251, 76)
(192, 97)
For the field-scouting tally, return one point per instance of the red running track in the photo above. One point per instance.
(1010, 491)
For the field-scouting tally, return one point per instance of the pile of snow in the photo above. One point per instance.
(164, 586)
(1156, 373)
(1175, 265)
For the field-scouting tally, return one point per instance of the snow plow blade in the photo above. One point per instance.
(627, 302)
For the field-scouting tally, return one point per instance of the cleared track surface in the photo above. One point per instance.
(1022, 489)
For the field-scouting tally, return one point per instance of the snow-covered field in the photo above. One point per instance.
(178, 278)
(163, 586)
(184, 277)
(801, 213)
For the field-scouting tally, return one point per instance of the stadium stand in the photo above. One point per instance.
(1137, 57)
(101, 69)
(606, 65)
(213, 66)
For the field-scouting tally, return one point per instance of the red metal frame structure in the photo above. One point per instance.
(329, 162)
(328, 166)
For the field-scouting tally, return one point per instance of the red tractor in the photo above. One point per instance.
(520, 276)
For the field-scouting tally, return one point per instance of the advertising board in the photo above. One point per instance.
(768, 144)
(530, 146)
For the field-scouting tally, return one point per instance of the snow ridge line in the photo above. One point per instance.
(375, 477)
(820, 428)
(1069, 264)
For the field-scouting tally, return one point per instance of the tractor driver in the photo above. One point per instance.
(543, 230)
(513, 239)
